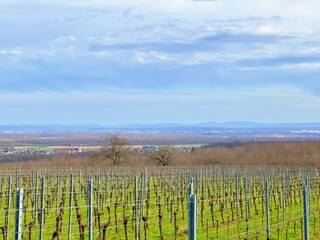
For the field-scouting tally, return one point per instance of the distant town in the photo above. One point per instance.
(57, 139)
(44, 150)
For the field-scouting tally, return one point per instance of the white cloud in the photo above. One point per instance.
(266, 29)
(14, 52)
(63, 39)
(224, 35)
(153, 57)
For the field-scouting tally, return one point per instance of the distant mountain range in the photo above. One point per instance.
(234, 124)
(160, 126)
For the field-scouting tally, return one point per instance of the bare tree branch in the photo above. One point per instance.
(115, 151)
(162, 156)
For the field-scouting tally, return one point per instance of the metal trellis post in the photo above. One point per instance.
(19, 209)
(246, 204)
(192, 217)
(8, 207)
(266, 190)
(90, 189)
(36, 197)
(305, 212)
(237, 193)
(42, 208)
(190, 187)
(135, 209)
(70, 206)
(283, 198)
(57, 191)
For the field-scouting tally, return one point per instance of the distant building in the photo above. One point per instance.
(7, 150)
(75, 150)
(147, 149)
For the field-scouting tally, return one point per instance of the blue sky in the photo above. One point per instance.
(184, 61)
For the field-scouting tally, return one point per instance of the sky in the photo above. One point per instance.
(175, 61)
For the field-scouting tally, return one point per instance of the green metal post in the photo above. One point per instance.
(192, 217)
(305, 212)
(19, 209)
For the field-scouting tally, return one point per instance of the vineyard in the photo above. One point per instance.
(215, 202)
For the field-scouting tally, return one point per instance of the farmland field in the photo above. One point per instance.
(153, 203)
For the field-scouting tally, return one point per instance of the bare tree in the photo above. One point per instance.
(162, 156)
(115, 151)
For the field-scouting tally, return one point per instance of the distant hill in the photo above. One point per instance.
(159, 126)
(234, 124)
(246, 124)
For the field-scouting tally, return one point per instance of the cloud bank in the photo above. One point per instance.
(142, 48)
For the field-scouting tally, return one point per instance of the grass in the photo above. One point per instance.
(170, 189)
(35, 148)
(189, 145)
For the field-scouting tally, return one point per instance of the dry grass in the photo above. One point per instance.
(267, 153)
(249, 154)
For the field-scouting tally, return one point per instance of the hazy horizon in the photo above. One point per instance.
(209, 124)
(146, 62)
